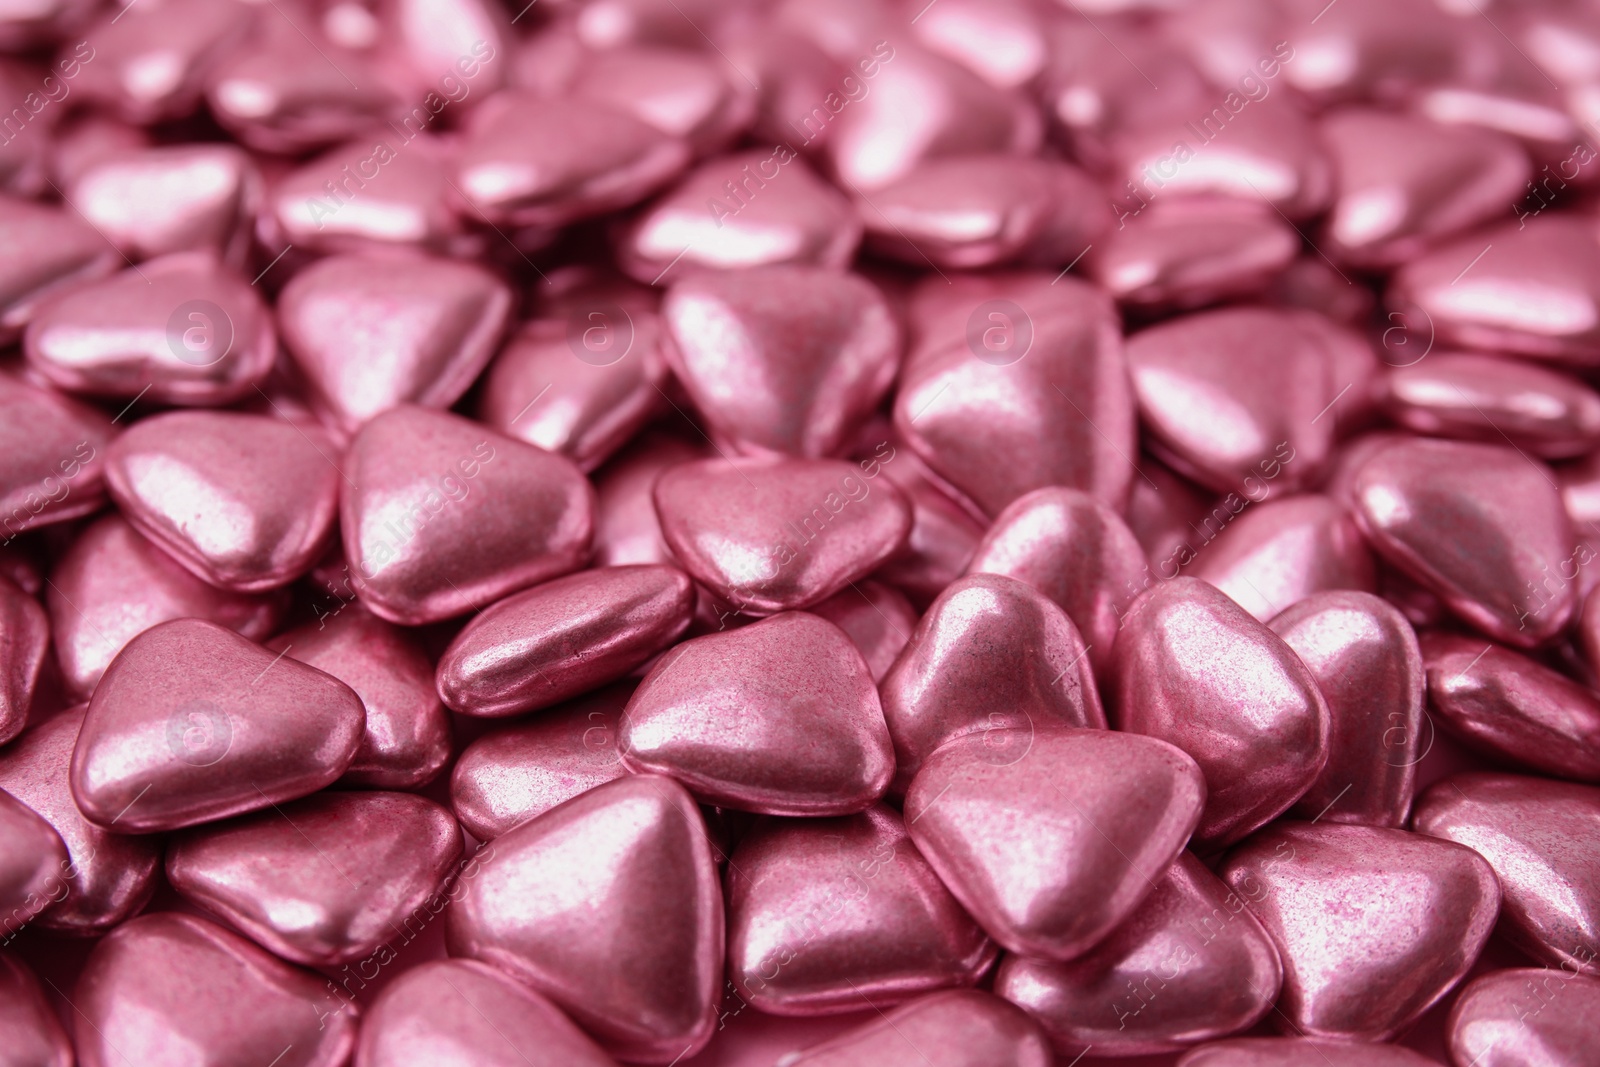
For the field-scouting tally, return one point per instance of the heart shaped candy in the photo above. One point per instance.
(53, 465)
(172, 198)
(33, 864)
(44, 249)
(1493, 398)
(957, 1028)
(1525, 1015)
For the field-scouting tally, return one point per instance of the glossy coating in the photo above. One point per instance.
(1509, 706)
(33, 864)
(1275, 553)
(24, 641)
(1074, 550)
(1015, 383)
(1192, 668)
(776, 212)
(772, 534)
(1051, 837)
(1364, 657)
(1190, 964)
(991, 653)
(1478, 397)
(610, 906)
(783, 360)
(1301, 1052)
(178, 198)
(112, 585)
(1479, 526)
(687, 94)
(461, 1013)
(54, 457)
(245, 502)
(442, 515)
(371, 332)
(34, 1036)
(563, 638)
(1540, 837)
(826, 915)
(177, 981)
(112, 875)
(407, 736)
(943, 534)
(779, 717)
(192, 722)
(1526, 1017)
(876, 617)
(512, 774)
(190, 330)
(626, 529)
(151, 65)
(47, 249)
(956, 1028)
(323, 880)
(1373, 925)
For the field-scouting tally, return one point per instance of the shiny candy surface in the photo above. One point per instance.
(47, 249)
(192, 723)
(1301, 1052)
(1050, 862)
(1540, 837)
(53, 465)
(34, 1036)
(960, 1028)
(1373, 925)
(779, 717)
(33, 864)
(1192, 668)
(877, 618)
(563, 638)
(1525, 1016)
(1478, 397)
(610, 906)
(24, 641)
(681, 93)
(626, 529)
(187, 198)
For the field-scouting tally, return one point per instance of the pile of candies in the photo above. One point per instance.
(799, 533)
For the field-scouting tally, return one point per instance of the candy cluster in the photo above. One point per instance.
(799, 533)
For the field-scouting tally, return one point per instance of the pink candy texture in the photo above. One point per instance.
(799, 533)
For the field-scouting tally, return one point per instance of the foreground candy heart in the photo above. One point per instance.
(779, 717)
(610, 906)
(508, 776)
(1301, 1052)
(1478, 397)
(991, 653)
(827, 915)
(1543, 840)
(47, 248)
(1050, 838)
(181, 329)
(109, 876)
(1364, 657)
(33, 864)
(1373, 925)
(1074, 550)
(34, 1037)
(876, 617)
(171, 981)
(1281, 551)
(773, 534)
(1525, 1016)
(192, 722)
(173, 198)
(24, 639)
(1511, 707)
(407, 737)
(1193, 668)
(323, 880)
(371, 332)
(1478, 526)
(1189, 964)
(244, 501)
(461, 1013)
(1016, 383)
(782, 359)
(957, 1028)
(447, 515)
(112, 585)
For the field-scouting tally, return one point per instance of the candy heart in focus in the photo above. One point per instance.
(1501, 1019)
(959, 1028)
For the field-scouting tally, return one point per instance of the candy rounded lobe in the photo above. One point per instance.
(1523, 1016)
(682, 93)
(151, 66)
(193, 723)
(33, 863)
(1373, 925)
(955, 1028)
(1050, 837)
(442, 515)
(1480, 397)
(1540, 837)
(626, 528)
(1190, 964)
(174, 978)
(1479, 526)
(774, 534)
(1192, 668)
(461, 1013)
(825, 914)
(1368, 668)
(1300, 1052)
(47, 250)
(324, 880)
(780, 717)
(24, 642)
(54, 457)
(610, 906)
(877, 618)
(517, 772)
(1509, 706)
(245, 502)
(991, 653)
(563, 638)
(109, 876)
